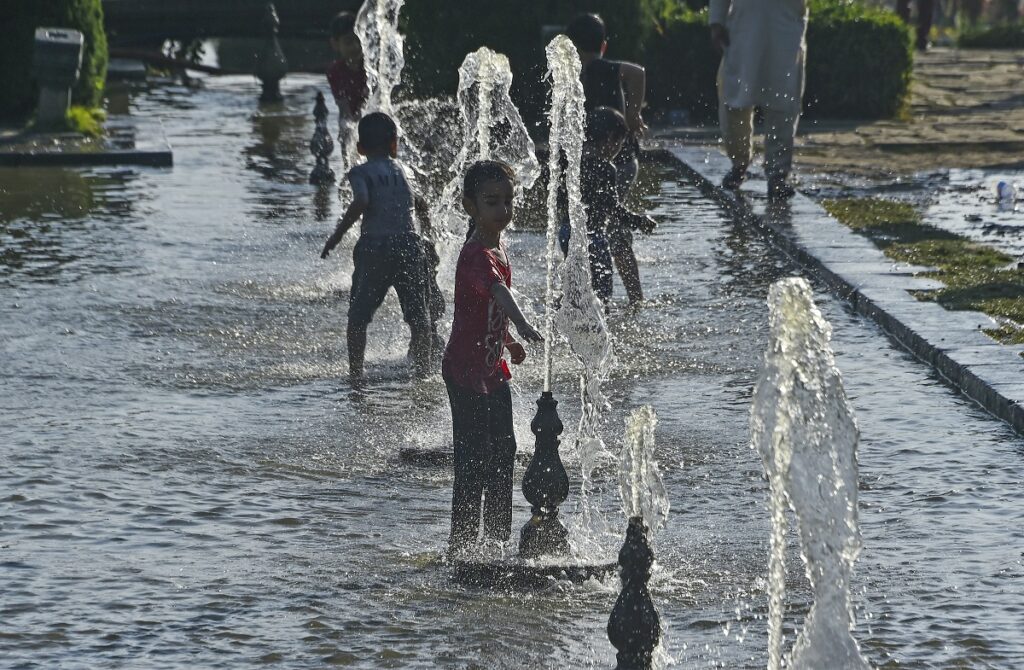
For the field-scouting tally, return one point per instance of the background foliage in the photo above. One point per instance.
(859, 62)
(19, 19)
(859, 58)
(1000, 36)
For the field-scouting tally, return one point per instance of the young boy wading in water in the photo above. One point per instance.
(389, 252)
(473, 368)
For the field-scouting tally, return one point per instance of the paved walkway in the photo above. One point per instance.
(952, 342)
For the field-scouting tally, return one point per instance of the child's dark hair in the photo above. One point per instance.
(376, 132)
(605, 124)
(478, 174)
(587, 32)
(343, 24)
(481, 172)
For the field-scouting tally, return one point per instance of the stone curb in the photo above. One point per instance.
(128, 142)
(952, 342)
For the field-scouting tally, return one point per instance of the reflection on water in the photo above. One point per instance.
(60, 224)
(189, 481)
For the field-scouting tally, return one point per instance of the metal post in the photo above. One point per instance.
(545, 486)
(634, 627)
(271, 65)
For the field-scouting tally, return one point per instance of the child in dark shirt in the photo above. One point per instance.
(473, 367)
(620, 85)
(389, 251)
(346, 75)
(607, 218)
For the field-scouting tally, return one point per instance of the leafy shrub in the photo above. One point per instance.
(20, 20)
(1001, 36)
(85, 120)
(441, 32)
(859, 62)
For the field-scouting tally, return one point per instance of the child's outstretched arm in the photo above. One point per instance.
(352, 214)
(508, 303)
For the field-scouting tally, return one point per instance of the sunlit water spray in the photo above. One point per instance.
(383, 60)
(803, 426)
(579, 314)
(492, 129)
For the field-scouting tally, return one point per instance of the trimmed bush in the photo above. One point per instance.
(859, 63)
(20, 20)
(441, 32)
(1001, 36)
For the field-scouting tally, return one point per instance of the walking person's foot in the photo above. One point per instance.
(734, 178)
(780, 189)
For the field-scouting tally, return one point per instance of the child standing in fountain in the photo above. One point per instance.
(389, 252)
(607, 217)
(473, 367)
(346, 75)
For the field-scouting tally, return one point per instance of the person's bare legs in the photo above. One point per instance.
(356, 350)
(419, 347)
(625, 263)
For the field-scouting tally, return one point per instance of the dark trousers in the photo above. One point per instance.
(485, 449)
(925, 14)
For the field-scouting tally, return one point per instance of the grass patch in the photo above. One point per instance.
(977, 277)
(85, 120)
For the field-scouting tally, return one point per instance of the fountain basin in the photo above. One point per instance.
(522, 575)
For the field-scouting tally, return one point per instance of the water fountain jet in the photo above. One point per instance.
(803, 427)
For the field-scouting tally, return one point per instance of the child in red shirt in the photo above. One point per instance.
(346, 75)
(473, 368)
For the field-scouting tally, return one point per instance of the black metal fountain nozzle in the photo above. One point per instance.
(321, 145)
(634, 627)
(271, 64)
(545, 486)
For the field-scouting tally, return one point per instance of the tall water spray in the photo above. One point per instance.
(383, 51)
(383, 60)
(804, 429)
(579, 315)
(640, 484)
(492, 129)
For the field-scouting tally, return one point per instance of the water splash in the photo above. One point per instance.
(580, 315)
(383, 52)
(492, 129)
(640, 484)
(803, 426)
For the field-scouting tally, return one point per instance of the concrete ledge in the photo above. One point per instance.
(127, 142)
(952, 342)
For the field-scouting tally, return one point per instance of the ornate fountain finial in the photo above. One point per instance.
(271, 64)
(321, 145)
(545, 486)
(634, 627)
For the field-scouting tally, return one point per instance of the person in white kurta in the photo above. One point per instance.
(763, 45)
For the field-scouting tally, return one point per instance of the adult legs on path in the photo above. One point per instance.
(737, 127)
(779, 134)
(925, 16)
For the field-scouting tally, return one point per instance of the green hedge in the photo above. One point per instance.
(859, 63)
(19, 19)
(441, 32)
(1001, 36)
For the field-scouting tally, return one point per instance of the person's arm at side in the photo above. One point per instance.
(352, 214)
(508, 303)
(634, 86)
(718, 12)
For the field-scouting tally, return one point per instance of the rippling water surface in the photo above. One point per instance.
(188, 480)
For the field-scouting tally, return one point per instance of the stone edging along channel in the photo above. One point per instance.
(952, 342)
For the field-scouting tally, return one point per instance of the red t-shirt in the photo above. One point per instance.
(473, 357)
(348, 86)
